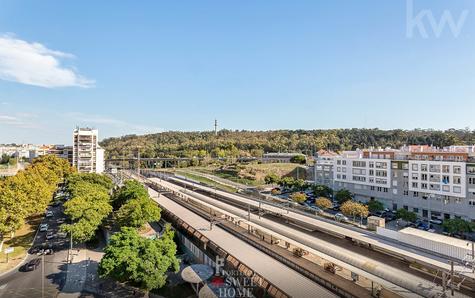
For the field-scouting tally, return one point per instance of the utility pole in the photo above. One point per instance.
(138, 159)
(42, 275)
(215, 127)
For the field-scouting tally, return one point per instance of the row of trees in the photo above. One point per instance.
(254, 143)
(89, 206)
(30, 191)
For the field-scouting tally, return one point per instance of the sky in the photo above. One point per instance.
(136, 67)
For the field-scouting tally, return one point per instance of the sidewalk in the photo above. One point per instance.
(76, 274)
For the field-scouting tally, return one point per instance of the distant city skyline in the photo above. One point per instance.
(267, 65)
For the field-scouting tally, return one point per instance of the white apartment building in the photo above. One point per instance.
(88, 157)
(432, 182)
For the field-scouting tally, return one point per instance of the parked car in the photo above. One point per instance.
(60, 220)
(341, 217)
(422, 226)
(49, 214)
(436, 221)
(49, 235)
(44, 227)
(32, 265)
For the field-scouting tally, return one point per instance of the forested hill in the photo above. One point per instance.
(254, 143)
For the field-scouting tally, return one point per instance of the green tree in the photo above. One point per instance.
(137, 212)
(272, 179)
(300, 184)
(287, 182)
(131, 189)
(298, 197)
(406, 215)
(343, 195)
(300, 159)
(323, 203)
(89, 205)
(375, 206)
(144, 262)
(457, 226)
(322, 191)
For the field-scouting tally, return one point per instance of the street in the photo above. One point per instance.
(49, 277)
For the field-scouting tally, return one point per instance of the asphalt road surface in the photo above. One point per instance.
(47, 280)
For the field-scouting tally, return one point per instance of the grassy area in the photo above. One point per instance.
(206, 181)
(254, 174)
(21, 242)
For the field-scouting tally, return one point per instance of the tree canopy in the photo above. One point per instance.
(89, 204)
(298, 197)
(230, 143)
(323, 203)
(458, 226)
(406, 215)
(375, 206)
(343, 195)
(30, 191)
(322, 191)
(354, 209)
(144, 262)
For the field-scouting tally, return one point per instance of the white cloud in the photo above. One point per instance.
(21, 120)
(34, 64)
(123, 126)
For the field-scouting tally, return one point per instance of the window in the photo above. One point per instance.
(457, 189)
(394, 165)
(338, 162)
(457, 180)
(446, 169)
(406, 193)
(445, 188)
(423, 167)
(415, 184)
(424, 177)
(415, 167)
(359, 164)
(457, 170)
(424, 185)
(416, 210)
(415, 176)
(381, 165)
(471, 180)
(434, 168)
(343, 162)
(371, 164)
(405, 166)
(380, 173)
(415, 194)
(373, 187)
(471, 169)
(405, 207)
(445, 179)
(371, 172)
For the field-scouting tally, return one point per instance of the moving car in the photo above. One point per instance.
(44, 227)
(32, 265)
